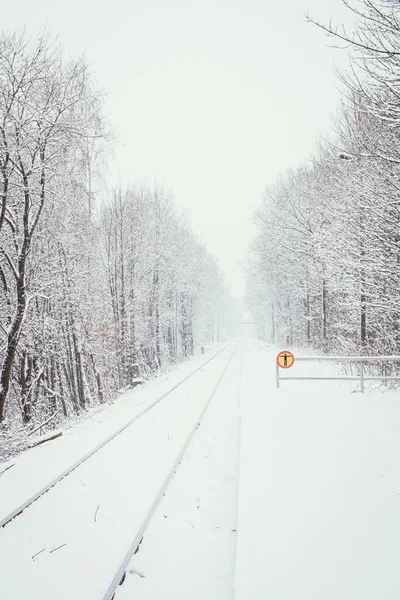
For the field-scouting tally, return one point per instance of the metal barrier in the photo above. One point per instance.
(358, 359)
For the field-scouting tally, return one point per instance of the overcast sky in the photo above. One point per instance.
(213, 98)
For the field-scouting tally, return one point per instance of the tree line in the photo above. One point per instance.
(88, 289)
(324, 269)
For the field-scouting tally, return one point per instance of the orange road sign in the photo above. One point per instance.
(285, 359)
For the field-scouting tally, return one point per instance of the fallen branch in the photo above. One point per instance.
(45, 423)
(52, 437)
(58, 547)
(37, 554)
(95, 514)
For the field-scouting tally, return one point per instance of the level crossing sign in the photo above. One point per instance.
(285, 359)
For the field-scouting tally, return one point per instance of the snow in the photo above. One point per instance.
(35, 468)
(308, 510)
(188, 550)
(93, 514)
(319, 489)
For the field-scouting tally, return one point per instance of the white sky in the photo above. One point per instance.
(213, 98)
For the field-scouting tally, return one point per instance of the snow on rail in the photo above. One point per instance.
(77, 535)
(109, 595)
(17, 511)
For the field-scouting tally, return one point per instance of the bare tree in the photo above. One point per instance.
(45, 106)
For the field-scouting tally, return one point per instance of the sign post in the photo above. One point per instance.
(284, 360)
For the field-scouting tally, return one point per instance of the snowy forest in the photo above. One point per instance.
(91, 283)
(324, 269)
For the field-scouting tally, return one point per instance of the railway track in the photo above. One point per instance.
(54, 525)
(43, 490)
(120, 574)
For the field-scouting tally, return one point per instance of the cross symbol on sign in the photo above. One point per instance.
(285, 359)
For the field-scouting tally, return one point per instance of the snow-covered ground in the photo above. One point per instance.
(74, 537)
(317, 514)
(188, 551)
(33, 469)
(319, 506)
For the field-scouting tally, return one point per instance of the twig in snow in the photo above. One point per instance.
(191, 523)
(48, 439)
(58, 547)
(95, 514)
(6, 469)
(135, 571)
(37, 554)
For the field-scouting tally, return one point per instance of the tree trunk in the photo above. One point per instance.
(12, 343)
(324, 314)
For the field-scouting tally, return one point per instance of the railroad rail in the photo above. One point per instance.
(17, 511)
(120, 574)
